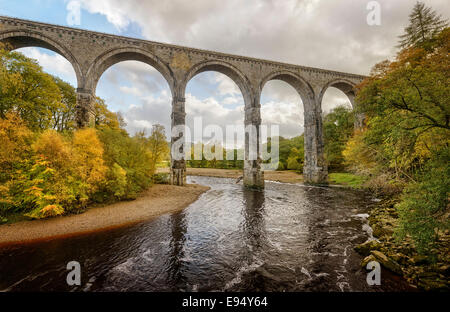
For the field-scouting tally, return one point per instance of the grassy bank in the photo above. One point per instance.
(347, 179)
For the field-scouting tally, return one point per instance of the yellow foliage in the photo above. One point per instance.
(358, 155)
(55, 150)
(52, 211)
(88, 152)
(15, 138)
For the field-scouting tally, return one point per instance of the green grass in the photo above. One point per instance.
(347, 179)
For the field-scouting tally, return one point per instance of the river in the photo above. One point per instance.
(286, 238)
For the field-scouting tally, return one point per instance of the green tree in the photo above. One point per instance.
(424, 25)
(104, 117)
(407, 139)
(26, 89)
(63, 116)
(338, 127)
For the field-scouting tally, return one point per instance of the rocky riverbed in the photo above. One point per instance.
(431, 272)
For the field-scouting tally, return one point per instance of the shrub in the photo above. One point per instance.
(116, 182)
(130, 154)
(88, 153)
(424, 206)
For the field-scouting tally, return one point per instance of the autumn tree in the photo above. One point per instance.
(88, 151)
(104, 117)
(407, 139)
(158, 146)
(63, 116)
(27, 90)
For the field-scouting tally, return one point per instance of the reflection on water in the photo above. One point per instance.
(285, 238)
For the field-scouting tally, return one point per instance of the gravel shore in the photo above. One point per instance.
(157, 200)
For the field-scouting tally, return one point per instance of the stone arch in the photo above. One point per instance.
(224, 68)
(314, 168)
(26, 38)
(302, 87)
(114, 56)
(346, 86)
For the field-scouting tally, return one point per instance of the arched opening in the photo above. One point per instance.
(139, 93)
(110, 58)
(216, 97)
(337, 93)
(46, 96)
(334, 97)
(52, 63)
(337, 102)
(24, 41)
(282, 106)
(139, 98)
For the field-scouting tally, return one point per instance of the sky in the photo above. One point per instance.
(327, 34)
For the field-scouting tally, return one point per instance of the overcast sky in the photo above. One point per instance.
(328, 34)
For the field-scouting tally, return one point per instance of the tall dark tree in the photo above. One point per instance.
(424, 25)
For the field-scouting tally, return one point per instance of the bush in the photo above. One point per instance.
(131, 156)
(425, 204)
(116, 182)
(50, 184)
(88, 151)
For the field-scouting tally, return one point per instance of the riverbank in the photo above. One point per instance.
(157, 200)
(428, 272)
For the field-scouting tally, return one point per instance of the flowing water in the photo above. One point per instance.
(285, 238)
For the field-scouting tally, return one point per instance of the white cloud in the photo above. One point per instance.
(52, 63)
(116, 15)
(131, 90)
(230, 100)
(333, 98)
(226, 85)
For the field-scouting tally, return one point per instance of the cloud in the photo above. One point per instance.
(52, 63)
(151, 110)
(226, 86)
(116, 15)
(328, 34)
(131, 90)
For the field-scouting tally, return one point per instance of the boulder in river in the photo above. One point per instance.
(386, 262)
(365, 248)
(366, 260)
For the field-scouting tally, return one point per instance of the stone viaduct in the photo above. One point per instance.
(92, 53)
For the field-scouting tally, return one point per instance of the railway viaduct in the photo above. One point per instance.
(92, 53)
